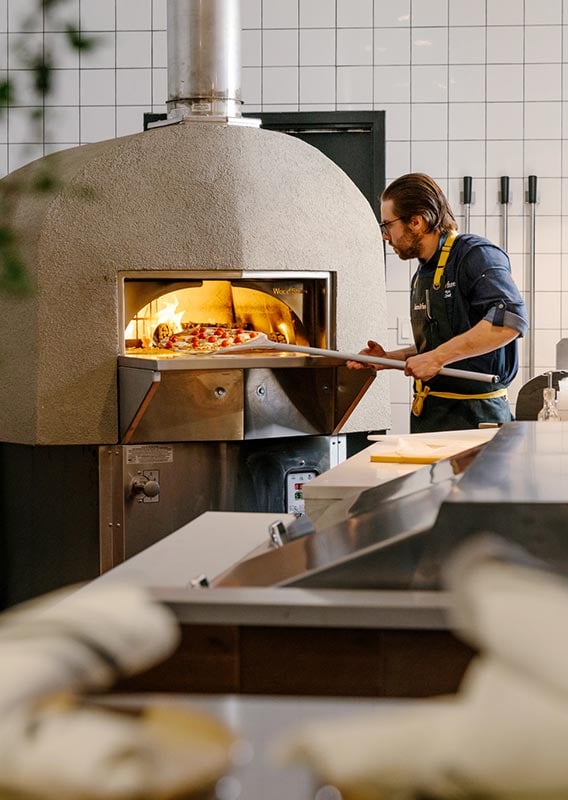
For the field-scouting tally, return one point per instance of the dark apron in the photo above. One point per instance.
(432, 327)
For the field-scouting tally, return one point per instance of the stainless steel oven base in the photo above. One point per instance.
(151, 490)
(217, 398)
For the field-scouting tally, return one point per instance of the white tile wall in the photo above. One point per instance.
(280, 48)
(467, 45)
(102, 54)
(392, 46)
(317, 13)
(505, 12)
(467, 12)
(355, 46)
(317, 47)
(354, 13)
(470, 87)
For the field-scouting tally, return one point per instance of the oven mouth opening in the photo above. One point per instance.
(169, 317)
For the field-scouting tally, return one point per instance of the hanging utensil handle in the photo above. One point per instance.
(505, 200)
(467, 194)
(532, 199)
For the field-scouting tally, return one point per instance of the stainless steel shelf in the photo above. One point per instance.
(250, 360)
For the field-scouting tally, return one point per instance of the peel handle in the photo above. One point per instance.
(363, 359)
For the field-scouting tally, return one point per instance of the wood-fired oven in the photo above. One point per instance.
(106, 447)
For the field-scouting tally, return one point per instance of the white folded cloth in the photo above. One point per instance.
(514, 612)
(53, 745)
(53, 754)
(80, 640)
(503, 735)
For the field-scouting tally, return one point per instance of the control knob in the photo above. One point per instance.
(143, 485)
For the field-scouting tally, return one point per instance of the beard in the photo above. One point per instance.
(409, 246)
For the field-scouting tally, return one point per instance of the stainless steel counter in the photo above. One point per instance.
(327, 496)
(216, 540)
(319, 635)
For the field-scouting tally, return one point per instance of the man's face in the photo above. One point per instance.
(405, 241)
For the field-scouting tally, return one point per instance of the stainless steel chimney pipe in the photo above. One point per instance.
(204, 58)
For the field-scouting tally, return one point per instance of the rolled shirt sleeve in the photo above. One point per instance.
(491, 290)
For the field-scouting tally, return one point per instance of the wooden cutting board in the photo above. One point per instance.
(424, 451)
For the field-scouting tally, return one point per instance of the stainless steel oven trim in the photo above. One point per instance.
(223, 360)
(111, 508)
(213, 274)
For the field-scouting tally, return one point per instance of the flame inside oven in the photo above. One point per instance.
(215, 303)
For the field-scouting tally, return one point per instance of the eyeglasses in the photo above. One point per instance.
(384, 226)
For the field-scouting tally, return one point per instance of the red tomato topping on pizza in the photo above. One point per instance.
(239, 331)
(202, 335)
(238, 340)
(225, 343)
(218, 331)
(211, 338)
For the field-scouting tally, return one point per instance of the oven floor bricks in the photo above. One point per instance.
(190, 196)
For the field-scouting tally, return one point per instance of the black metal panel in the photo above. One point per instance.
(50, 521)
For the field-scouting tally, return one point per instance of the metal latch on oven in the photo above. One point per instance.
(281, 534)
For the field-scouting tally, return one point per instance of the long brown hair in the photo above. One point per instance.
(416, 194)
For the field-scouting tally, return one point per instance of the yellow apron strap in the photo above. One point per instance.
(442, 261)
(422, 392)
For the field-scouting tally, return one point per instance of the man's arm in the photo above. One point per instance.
(377, 350)
(482, 338)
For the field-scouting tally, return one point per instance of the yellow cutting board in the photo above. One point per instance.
(409, 459)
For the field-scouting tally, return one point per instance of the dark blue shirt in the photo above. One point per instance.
(479, 285)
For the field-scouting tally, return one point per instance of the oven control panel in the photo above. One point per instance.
(295, 490)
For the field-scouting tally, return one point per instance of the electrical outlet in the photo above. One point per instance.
(404, 331)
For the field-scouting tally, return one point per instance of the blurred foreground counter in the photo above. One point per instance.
(260, 723)
(287, 641)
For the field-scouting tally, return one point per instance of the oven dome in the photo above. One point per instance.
(189, 196)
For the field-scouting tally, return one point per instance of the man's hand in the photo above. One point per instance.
(372, 349)
(424, 366)
(377, 350)
(482, 338)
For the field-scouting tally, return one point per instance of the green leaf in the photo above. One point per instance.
(42, 77)
(13, 276)
(48, 5)
(78, 41)
(45, 182)
(6, 93)
(6, 236)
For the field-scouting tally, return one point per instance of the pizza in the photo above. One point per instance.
(205, 339)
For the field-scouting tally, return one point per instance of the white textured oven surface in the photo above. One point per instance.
(199, 196)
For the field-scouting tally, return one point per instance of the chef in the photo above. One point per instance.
(465, 310)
